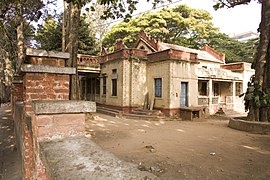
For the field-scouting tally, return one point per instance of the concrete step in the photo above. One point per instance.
(147, 112)
(142, 117)
(108, 111)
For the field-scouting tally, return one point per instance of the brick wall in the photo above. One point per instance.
(38, 86)
(45, 79)
(16, 95)
(44, 86)
(54, 126)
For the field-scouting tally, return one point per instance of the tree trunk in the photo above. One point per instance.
(262, 59)
(251, 114)
(72, 46)
(266, 84)
(64, 26)
(20, 45)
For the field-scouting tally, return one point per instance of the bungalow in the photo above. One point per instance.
(168, 77)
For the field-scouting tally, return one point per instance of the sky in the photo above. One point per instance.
(237, 20)
(231, 21)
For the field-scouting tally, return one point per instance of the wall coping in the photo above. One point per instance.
(32, 68)
(249, 126)
(89, 161)
(17, 82)
(63, 106)
(44, 53)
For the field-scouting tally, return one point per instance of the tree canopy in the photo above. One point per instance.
(49, 36)
(184, 26)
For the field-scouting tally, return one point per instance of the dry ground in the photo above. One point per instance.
(9, 156)
(184, 150)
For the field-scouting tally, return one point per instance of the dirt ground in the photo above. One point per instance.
(184, 150)
(9, 157)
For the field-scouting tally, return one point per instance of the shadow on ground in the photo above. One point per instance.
(9, 157)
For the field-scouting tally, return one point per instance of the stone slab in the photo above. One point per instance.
(63, 106)
(30, 68)
(81, 158)
(44, 53)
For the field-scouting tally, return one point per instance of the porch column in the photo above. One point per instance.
(233, 92)
(85, 88)
(210, 87)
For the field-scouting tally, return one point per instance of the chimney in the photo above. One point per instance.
(119, 44)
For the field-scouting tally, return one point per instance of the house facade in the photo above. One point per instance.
(156, 75)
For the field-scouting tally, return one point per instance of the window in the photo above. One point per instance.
(114, 71)
(158, 87)
(104, 85)
(202, 88)
(114, 87)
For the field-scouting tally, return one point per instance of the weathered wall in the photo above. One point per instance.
(209, 64)
(107, 69)
(131, 79)
(183, 72)
(134, 82)
(160, 69)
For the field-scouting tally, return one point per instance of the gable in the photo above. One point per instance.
(142, 45)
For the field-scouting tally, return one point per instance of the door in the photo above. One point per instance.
(184, 94)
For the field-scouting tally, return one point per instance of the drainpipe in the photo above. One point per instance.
(131, 78)
(210, 85)
(233, 93)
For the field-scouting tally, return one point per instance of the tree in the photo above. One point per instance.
(258, 93)
(49, 36)
(98, 25)
(87, 40)
(181, 25)
(15, 32)
(234, 50)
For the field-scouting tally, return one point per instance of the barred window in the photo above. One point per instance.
(158, 87)
(114, 87)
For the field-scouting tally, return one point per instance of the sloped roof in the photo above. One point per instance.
(202, 55)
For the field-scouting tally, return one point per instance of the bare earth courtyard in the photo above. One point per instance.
(184, 150)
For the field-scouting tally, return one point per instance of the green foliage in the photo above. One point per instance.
(87, 42)
(255, 96)
(49, 36)
(234, 50)
(184, 26)
(181, 25)
(98, 26)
